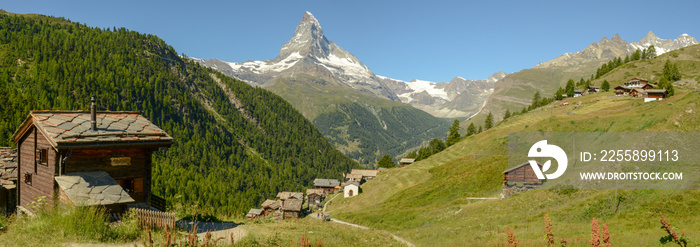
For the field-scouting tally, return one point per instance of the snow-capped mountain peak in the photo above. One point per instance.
(308, 51)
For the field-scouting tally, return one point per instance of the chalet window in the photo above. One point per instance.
(42, 156)
(28, 178)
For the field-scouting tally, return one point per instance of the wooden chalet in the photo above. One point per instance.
(522, 173)
(578, 93)
(8, 180)
(327, 185)
(648, 86)
(292, 208)
(637, 92)
(254, 213)
(354, 177)
(270, 206)
(655, 94)
(593, 89)
(520, 178)
(87, 158)
(366, 174)
(636, 82)
(406, 161)
(622, 90)
(315, 196)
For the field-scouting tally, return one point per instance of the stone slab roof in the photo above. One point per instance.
(92, 188)
(657, 91)
(315, 191)
(72, 128)
(254, 212)
(292, 205)
(284, 195)
(8, 167)
(352, 183)
(320, 182)
(518, 166)
(407, 160)
(365, 173)
(272, 204)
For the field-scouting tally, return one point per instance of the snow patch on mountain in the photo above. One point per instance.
(345, 66)
(429, 87)
(266, 66)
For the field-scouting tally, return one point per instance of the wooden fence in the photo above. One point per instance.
(153, 219)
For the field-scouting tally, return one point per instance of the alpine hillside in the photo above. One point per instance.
(353, 108)
(454, 196)
(516, 90)
(235, 145)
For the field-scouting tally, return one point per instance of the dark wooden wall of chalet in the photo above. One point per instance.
(43, 183)
(82, 160)
(522, 174)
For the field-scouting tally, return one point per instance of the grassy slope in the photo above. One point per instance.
(425, 202)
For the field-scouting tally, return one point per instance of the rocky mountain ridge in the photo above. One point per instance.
(617, 47)
(455, 99)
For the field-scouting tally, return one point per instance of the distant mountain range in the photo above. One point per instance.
(354, 108)
(616, 47)
(455, 99)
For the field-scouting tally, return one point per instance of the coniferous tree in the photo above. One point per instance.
(536, 100)
(386, 162)
(636, 55)
(651, 52)
(471, 130)
(570, 88)
(605, 86)
(559, 95)
(453, 136)
(488, 123)
(480, 129)
(507, 114)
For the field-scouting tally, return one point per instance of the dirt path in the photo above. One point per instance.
(397, 238)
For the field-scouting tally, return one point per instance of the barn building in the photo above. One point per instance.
(315, 196)
(87, 158)
(406, 161)
(520, 178)
(292, 208)
(327, 185)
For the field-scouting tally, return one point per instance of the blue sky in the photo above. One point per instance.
(427, 40)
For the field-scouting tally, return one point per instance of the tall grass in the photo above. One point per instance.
(67, 224)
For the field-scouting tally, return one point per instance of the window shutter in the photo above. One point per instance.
(138, 185)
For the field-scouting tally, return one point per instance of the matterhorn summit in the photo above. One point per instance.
(309, 53)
